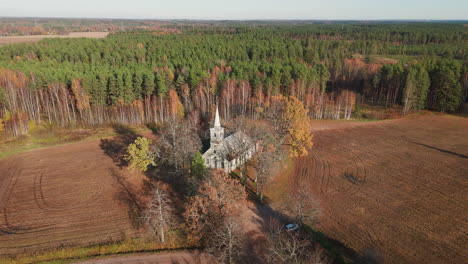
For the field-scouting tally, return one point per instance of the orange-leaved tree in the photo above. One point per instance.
(217, 198)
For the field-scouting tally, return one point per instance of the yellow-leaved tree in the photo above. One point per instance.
(300, 135)
(140, 154)
(291, 124)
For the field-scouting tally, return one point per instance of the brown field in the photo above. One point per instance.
(35, 38)
(392, 190)
(68, 195)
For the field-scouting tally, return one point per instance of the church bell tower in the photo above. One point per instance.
(217, 132)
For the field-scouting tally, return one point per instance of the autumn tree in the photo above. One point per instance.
(140, 154)
(291, 124)
(217, 198)
(159, 213)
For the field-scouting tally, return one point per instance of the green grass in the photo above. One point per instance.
(72, 254)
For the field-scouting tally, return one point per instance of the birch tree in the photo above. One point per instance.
(159, 213)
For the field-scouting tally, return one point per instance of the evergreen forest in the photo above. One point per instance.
(141, 77)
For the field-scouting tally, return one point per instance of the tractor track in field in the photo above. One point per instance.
(62, 196)
(396, 189)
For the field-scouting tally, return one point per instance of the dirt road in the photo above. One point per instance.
(166, 258)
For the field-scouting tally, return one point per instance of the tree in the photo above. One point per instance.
(416, 89)
(446, 87)
(410, 93)
(291, 247)
(302, 206)
(177, 144)
(291, 124)
(198, 168)
(159, 213)
(423, 84)
(217, 199)
(226, 242)
(140, 154)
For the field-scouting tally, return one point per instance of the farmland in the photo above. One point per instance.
(392, 190)
(69, 195)
(5, 40)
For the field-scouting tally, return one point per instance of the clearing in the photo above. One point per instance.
(5, 40)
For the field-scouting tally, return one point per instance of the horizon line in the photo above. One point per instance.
(251, 19)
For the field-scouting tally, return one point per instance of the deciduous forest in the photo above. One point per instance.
(140, 77)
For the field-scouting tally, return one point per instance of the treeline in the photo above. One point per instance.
(137, 77)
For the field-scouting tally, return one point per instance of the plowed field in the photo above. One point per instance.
(66, 195)
(393, 190)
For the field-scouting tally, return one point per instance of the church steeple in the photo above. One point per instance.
(217, 132)
(217, 122)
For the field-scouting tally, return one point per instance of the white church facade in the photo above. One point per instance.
(228, 153)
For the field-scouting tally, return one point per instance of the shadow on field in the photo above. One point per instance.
(130, 196)
(337, 251)
(121, 129)
(441, 150)
(116, 147)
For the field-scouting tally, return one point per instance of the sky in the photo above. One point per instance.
(240, 9)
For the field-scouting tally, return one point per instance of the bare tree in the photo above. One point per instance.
(178, 144)
(292, 248)
(159, 213)
(302, 206)
(269, 151)
(226, 241)
(286, 247)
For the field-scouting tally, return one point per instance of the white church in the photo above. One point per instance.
(228, 153)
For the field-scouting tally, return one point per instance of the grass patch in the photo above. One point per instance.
(72, 254)
(42, 137)
(277, 189)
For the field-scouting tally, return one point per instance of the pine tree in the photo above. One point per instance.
(198, 168)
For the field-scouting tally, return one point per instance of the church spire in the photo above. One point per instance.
(217, 121)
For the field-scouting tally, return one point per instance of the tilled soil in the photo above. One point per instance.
(393, 191)
(68, 195)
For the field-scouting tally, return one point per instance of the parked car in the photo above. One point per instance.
(291, 227)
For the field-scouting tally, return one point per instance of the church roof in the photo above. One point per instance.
(231, 146)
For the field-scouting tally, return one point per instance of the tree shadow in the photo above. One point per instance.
(130, 196)
(154, 127)
(441, 150)
(352, 178)
(252, 248)
(122, 129)
(116, 147)
(337, 251)
(370, 256)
